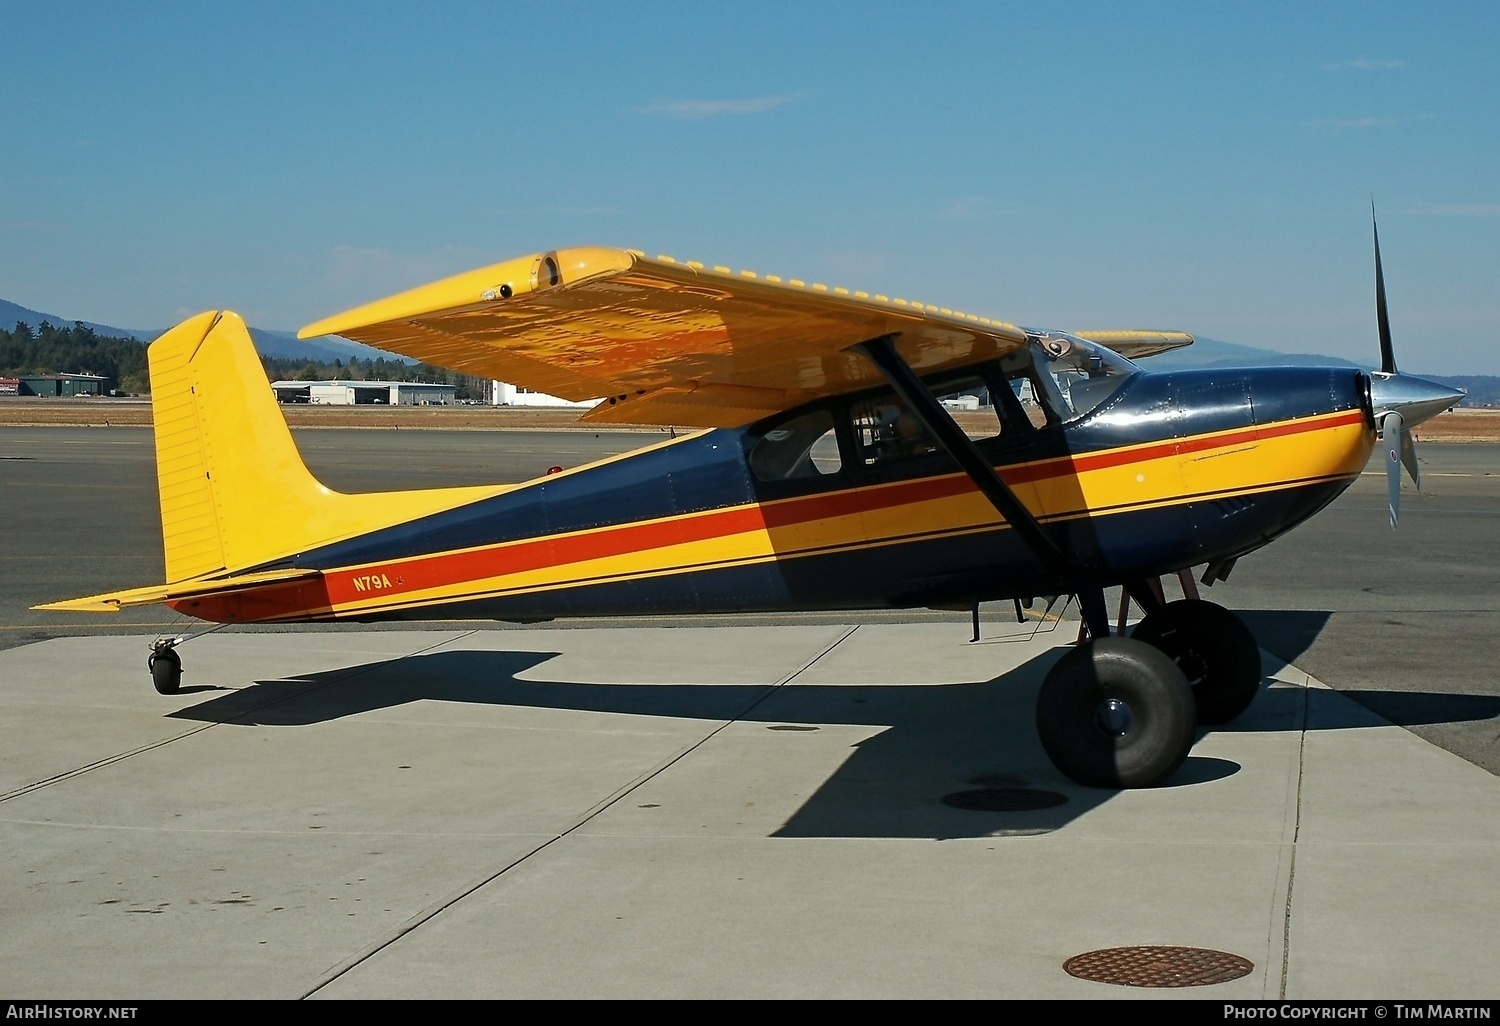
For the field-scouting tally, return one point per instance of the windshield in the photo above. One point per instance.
(1080, 375)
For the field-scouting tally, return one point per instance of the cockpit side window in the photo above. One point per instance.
(1059, 377)
(1035, 393)
(887, 431)
(970, 402)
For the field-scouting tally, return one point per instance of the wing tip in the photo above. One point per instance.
(507, 280)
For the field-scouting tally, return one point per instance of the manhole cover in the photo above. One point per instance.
(1004, 799)
(1158, 966)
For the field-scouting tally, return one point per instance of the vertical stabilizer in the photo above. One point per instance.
(234, 490)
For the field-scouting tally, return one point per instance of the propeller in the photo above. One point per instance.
(1399, 401)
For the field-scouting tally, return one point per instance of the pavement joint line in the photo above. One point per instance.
(257, 832)
(1291, 875)
(121, 756)
(100, 763)
(102, 626)
(432, 911)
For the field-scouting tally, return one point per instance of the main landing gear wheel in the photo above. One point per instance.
(1116, 712)
(1215, 651)
(166, 670)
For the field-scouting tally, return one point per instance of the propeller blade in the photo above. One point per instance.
(1399, 402)
(1387, 351)
(1391, 432)
(1409, 457)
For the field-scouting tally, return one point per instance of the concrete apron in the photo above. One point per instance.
(725, 811)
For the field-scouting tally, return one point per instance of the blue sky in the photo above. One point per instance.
(1198, 166)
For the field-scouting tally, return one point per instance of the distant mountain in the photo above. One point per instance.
(283, 344)
(11, 314)
(1483, 389)
(1210, 352)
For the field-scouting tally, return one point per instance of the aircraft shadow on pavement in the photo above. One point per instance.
(923, 742)
(1291, 633)
(1287, 632)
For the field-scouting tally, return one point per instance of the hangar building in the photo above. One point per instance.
(55, 385)
(505, 394)
(364, 393)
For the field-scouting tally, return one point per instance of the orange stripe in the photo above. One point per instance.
(422, 572)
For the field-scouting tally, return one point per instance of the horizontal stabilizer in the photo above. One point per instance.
(113, 602)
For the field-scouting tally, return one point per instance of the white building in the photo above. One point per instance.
(364, 393)
(504, 394)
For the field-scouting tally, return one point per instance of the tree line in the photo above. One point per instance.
(48, 349)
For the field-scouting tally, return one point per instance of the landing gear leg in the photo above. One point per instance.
(165, 666)
(1214, 650)
(1116, 712)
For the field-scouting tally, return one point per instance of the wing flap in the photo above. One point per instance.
(659, 337)
(113, 602)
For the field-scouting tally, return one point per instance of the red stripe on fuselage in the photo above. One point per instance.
(435, 571)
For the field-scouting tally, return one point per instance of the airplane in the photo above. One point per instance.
(832, 473)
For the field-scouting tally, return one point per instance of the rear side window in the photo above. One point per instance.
(805, 447)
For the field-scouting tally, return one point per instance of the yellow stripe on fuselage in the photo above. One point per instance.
(1131, 478)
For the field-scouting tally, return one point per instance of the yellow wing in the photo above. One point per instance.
(664, 342)
(1137, 345)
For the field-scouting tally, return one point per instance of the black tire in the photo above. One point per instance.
(1215, 651)
(1146, 744)
(166, 671)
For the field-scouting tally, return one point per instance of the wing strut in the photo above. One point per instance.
(882, 353)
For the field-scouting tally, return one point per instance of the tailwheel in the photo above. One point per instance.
(166, 669)
(1116, 712)
(1215, 651)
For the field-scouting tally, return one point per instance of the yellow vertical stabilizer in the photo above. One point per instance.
(234, 490)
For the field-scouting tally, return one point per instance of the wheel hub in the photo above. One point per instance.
(1194, 666)
(1113, 717)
